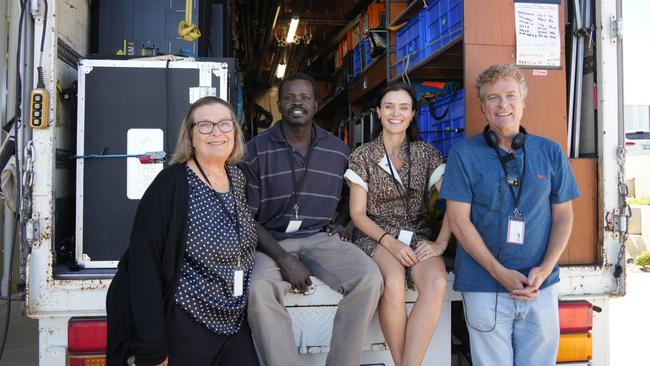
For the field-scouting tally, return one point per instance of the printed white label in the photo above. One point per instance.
(238, 285)
(294, 225)
(516, 230)
(405, 237)
(139, 176)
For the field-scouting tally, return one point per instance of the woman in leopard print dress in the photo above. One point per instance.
(390, 178)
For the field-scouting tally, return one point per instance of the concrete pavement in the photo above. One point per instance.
(21, 348)
(630, 321)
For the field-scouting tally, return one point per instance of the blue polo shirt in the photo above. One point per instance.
(268, 168)
(474, 175)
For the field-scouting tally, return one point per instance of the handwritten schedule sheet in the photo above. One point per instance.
(538, 35)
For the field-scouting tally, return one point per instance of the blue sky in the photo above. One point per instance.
(636, 51)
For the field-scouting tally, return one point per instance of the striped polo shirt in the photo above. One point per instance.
(271, 180)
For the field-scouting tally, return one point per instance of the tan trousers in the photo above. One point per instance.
(340, 265)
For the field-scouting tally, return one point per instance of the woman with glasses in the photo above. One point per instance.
(179, 296)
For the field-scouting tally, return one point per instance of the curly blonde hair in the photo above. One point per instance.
(498, 72)
(185, 150)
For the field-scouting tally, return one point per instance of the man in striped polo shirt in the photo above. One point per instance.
(295, 172)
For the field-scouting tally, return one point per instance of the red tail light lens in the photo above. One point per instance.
(575, 316)
(86, 335)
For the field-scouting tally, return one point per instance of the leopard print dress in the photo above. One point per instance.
(385, 203)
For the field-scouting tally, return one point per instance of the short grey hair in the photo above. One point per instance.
(498, 72)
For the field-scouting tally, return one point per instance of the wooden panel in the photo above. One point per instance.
(583, 243)
(489, 22)
(489, 38)
(545, 113)
(493, 22)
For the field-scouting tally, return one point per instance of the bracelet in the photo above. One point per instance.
(381, 237)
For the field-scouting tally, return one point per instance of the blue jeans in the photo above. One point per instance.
(515, 332)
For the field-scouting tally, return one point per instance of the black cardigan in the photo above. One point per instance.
(142, 291)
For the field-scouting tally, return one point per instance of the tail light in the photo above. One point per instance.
(87, 360)
(574, 347)
(576, 322)
(575, 317)
(87, 342)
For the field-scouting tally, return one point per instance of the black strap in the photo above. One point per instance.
(517, 196)
(294, 194)
(432, 110)
(233, 220)
(407, 194)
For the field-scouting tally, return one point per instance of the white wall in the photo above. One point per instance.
(637, 117)
(636, 52)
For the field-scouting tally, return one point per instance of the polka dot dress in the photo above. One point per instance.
(212, 252)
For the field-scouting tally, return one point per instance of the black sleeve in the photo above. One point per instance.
(145, 270)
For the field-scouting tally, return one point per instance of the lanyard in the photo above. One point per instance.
(407, 195)
(296, 189)
(233, 220)
(517, 196)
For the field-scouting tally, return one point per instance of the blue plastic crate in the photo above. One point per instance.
(367, 57)
(444, 22)
(446, 126)
(357, 58)
(443, 111)
(411, 41)
(452, 22)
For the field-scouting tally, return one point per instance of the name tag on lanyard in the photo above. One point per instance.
(516, 231)
(238, 283)
(405, 236)
(294, 224)
(516, 222)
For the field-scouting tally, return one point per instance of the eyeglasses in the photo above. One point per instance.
(206, 127)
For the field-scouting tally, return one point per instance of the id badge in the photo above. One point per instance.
(294, 225)
(516, 230)
(238, 284)
(405, 236)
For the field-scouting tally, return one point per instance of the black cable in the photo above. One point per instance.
(17, 125)
(41, 79)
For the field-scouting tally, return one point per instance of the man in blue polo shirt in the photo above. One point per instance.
(509, 205)
(295, 173)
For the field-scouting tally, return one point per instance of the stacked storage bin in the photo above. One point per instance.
(361, 56)
(358, 56)
(366, 56)
(444, 23)
(411, 40)
(428, 31)
(442, 123)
